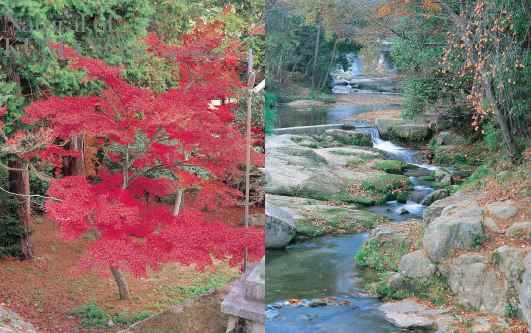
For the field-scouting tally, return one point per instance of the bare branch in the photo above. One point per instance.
(29, 195)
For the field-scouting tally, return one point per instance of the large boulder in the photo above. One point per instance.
(476, 286)
(435, 209)
(525, 292)
(416, 265)
(459, 227)
(502, 209)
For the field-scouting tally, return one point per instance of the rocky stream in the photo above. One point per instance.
(331, 188)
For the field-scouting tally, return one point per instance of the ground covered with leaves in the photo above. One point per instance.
(45, 292)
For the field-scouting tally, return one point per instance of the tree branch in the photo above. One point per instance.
(29, 195)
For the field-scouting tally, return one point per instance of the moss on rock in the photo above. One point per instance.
(391, 166)
(335, 220)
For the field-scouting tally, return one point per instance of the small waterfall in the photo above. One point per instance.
(372, 131)
(389, 148)
(341, 78)
(355, 67)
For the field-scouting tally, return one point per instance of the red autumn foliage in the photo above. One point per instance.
(154, 144)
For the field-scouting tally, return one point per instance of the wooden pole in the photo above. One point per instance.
(250, 86)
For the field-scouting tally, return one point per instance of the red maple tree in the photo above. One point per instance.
(153, 147)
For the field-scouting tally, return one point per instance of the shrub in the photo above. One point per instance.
(126, 319)
(92, 315)
(492, 137)
(511, 311)
(381, 257)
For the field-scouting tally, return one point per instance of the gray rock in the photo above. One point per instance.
(285, 214)
(349, 137)
(490, 224)
(434, 196)
(385, 125)
(435, 209)
(280, 226)
(408, 314)
(411, 132)
(402, 211)
(441, 173)
(458, 228)
(476, 286)
(510, 261)
(484, 325)
(279, 233)
(449, 138)
(525, 292)
(10, 322)
(502, 209)
(520, 230)
(416, 265)
(396, 281)
(402, 129)
(294, 170)
(481, 325)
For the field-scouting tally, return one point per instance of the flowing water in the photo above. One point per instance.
(316, 270)
(314, 286)
(324, 269)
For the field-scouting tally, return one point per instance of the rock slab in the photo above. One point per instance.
(10, 322)
(410, 315)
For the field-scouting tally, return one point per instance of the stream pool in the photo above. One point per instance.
(317, 269)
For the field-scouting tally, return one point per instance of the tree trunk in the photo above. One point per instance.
(75, 166)
(19, 182)
(316, 51)
(332, 58)
(123, 289)
(178, 202)
(78, 163)
(125, 170)
(501, 119)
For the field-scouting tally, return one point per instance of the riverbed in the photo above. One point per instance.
(314, 286)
